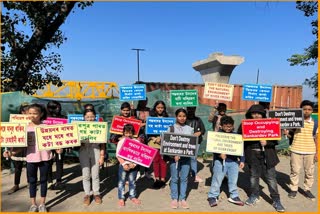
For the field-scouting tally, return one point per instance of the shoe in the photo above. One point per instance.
(212, 202)
(97, 199)
(86, 200)
(33, 208)
(252, 200)
(292, 194)
(121, 203)
(42, 208)
(183, 204)
(50, 185)
(135, 201)
(236, 200)
(198, 179)
(278, 206)
(309, 195)
(15, 188)
(174, 204)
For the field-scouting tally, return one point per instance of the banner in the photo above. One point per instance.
(92, 132)
(13, 134)
(55, 121)
(261, 129)
(118, 123)
(132, 92)
(218, 91)
(79, 117)
(257, 92)
(183, 98)
(57, 136)
(157, 125)
(178, 144)
(137, 152)
(289, 118)
(224, 143)
(20, 118)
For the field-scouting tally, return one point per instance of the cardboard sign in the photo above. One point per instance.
(55, 121)
(157, 125)
(78, 117)
(137, 152)
(289, 118)
(261, 129)
(178, 144)
(218, 91)
(183, 98)
(92, 132)
(13, 134)
(57, 136)
(132, 92)
(118, 123)
(225, 143)
(19, 118)
(257, 92)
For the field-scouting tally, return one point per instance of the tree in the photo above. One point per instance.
(28, 31)
(310, 55)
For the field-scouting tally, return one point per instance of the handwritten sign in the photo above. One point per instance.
(57, 136)
(55, 121)
(266, 129)
(224, 143)
(289, 118)
(137, 152)
(92, 132)
(132, 92)
(157, 125)
(78, 117)
(218, 91)
(178, 144)
(20, 118)
(118, 123)
(13, 134)
(183, 98)
(257, 92)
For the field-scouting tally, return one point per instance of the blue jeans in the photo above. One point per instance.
(232, 170)
(123, 175)
(182, 170)
(194, 164)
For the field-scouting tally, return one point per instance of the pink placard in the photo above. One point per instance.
(134, 151)
(55, 121)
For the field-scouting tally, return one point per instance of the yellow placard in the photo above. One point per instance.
(92, 132)
(224, 143)
(19, 118)
(13, 134)
(57, 136)
(218, 91)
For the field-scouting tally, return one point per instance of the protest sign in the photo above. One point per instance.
(178, 144)
(218, 91)
(79, 117)
(183, 98)
(132, 92)
(157, 125)
(257, 92)
(261, 129)
(92, 132)
(118, 123)
(224, 143)
(20, 118)
(13, 134)
(289, 118)
(55, 121)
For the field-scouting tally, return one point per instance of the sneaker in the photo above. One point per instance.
(198, 179)
(42, 208)
(252, 200)
(121, 203)
(183, 204)
(50, 185)
(212, 202)
(292, 194)
(97, 199)
(309, 195)
(135, 201)
(278, 206)
(86, 200)
(174, 204)
(33, 208)
(236, 200)
(15, 188)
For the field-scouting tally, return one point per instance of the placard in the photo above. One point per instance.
(118, 123)
(157, 125)
(257, 92)
(20, 118)
(224, 143)
(79, 117)
(55, 121)
(137, 152)
(183, 98)
(218, 91)
(132, 92)
(289, 118)
(261, 129)
(178, 144)
(92, 132)
(57, 136)
(13, 134)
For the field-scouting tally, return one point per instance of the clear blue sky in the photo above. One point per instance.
(176, 34)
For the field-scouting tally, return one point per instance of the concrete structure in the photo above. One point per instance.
(217, 67)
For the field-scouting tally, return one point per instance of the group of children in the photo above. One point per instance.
(259, 156)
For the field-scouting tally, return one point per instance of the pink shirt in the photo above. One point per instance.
(33, 155)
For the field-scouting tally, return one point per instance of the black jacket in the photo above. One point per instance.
(197, 124)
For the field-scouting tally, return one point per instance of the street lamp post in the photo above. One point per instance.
(138, 50)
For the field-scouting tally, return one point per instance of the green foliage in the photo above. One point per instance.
(28, 31)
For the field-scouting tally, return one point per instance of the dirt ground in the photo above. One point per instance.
(70, 198)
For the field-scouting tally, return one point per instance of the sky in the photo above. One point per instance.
(177, 34)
